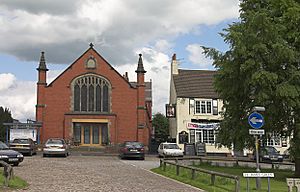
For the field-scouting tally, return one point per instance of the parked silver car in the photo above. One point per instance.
(56, 146)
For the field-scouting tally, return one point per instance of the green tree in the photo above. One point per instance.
(5, 117)
(161, 126)
(261, 68)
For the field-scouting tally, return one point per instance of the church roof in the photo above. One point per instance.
(195, 84)
(148, 90)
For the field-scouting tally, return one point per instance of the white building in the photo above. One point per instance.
(194, 110)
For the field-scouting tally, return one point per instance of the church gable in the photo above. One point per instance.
(90, 62)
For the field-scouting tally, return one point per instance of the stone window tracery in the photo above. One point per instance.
(91, 93)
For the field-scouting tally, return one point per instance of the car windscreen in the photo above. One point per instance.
(134, 144)
(271, 150)
(55, 141)
(171, 146)
(3, 146)
(21, 141)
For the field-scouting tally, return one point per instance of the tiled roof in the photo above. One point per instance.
(148, 90)
(195, 84)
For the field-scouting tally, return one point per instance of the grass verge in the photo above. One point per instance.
(14, 183)
(202, 181)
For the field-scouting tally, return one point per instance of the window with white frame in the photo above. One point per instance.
(274, 140)
(207, 136)
(203, 106)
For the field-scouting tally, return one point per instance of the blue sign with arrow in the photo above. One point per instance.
(256, 120)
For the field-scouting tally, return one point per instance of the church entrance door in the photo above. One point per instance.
(91, 134)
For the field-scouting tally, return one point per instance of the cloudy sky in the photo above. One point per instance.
(119, 29)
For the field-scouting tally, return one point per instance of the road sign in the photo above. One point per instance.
(256, 131)
(256, 120)
(258, 174)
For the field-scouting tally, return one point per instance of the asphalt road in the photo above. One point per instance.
(95, 173)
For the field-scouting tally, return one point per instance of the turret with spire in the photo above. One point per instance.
(140, 68)
(42, 69)
(41, 86)
(141, 104)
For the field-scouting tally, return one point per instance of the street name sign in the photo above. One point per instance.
(256, 131)
(258, 174)
(256, 120)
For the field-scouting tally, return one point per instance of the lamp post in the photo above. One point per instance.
(258, 179)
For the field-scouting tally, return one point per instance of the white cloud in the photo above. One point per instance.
(157, 66)
(7, 80)
(197, 57)
(19, 97)
(113, 25)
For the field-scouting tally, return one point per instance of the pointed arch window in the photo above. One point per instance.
(91, 94)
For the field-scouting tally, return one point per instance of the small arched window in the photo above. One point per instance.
(91, 94)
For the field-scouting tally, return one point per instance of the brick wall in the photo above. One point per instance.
(57, 115)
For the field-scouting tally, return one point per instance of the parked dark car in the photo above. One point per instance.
(10, 156)
(132, 149)
(269, 154)
(23, 145)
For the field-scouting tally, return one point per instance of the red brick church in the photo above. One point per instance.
(91, 104)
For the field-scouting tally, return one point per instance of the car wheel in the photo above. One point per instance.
(16, 164)
(44, 155)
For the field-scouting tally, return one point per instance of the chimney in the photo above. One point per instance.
(174, 65)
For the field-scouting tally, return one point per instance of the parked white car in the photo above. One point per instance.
(169, 150)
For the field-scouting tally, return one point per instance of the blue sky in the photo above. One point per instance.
(119, 30)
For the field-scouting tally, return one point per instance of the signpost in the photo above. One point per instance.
(256, 131)
(258, 175)
(256, 121)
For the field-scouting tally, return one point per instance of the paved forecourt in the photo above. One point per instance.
(94, 173)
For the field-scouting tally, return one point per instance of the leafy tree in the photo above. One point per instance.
(5, 117)
(261, 68)
(161, 126)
